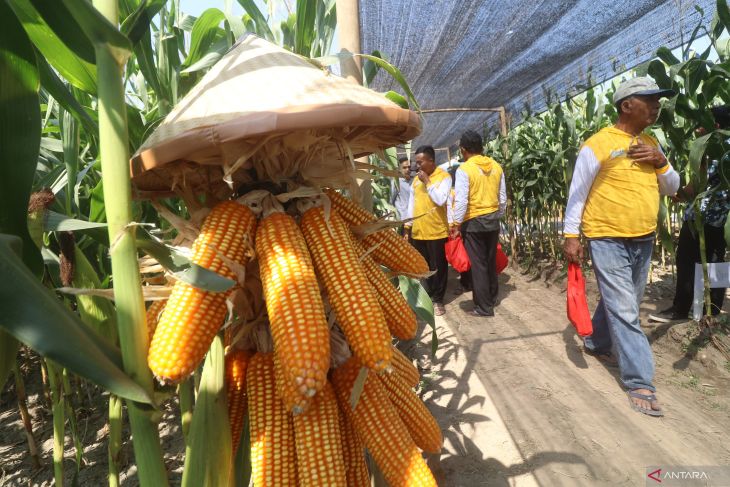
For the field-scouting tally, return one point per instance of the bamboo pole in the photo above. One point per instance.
(131, 320)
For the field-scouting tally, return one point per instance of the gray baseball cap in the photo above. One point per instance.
(641, 85)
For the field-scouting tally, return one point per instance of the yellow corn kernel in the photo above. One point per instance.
(273, 450)
(319, 442)
(353, 453)
(403, 367)
(398, 314)
(381, 429)
(236, 364)
(419, 421)
(193, 316)
(294, 305)
(153, 317)
(353, 300)
(390, 249)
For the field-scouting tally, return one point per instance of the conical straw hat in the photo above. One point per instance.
(264, 113)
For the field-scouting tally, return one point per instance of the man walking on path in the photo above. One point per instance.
(479, 203)
(429, 195)
(614, 202)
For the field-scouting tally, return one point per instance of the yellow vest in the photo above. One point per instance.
(434, 224)
(624, 197)
(485, 176)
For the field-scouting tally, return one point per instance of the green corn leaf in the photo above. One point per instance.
(59, 19)
(57, 222)
(205, 279)
(95, 311)
(25, 308)
(20, 132)
(205, 33)
(78, 72)
(665, 54)
(146, 62)
(304, 33)
(58, 90)
(99, 30)
(262, 26)
(398, 99)
(208, 454)
(137, 24)
(421, 304)
(723, 13)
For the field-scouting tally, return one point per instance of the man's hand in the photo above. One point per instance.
(455, 231)
(646, 154)
(573, 250)
(424, 178)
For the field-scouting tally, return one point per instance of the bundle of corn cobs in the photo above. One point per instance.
(327, 383)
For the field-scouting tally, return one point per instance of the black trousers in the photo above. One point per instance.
(482, 250)
(435, 254)
(688, 254)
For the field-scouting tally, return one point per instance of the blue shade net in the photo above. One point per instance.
(484, 54)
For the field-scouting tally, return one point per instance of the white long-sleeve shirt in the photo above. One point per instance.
(462, 196)
(439, 194)
(586, 169)
(400, 194)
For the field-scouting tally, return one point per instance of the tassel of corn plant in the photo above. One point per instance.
(319, 442)
(421, 424)
(273, 451)
(114, 155)
(236, 364)
(353, 453)
(294, 305)
(398, 314)
(383, 432)
(403, 367)
(350, 294)
(193, 316)
(388, 247)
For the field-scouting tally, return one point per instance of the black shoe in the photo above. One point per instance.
(669, 315)
(481, 314)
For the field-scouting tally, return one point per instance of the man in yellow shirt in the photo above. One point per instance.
(479, 203)
(614, 201)
(428, 232)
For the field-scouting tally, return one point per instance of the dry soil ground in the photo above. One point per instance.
(521, 405)
(518, 402)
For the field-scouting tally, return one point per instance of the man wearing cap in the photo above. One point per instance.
(614, 201)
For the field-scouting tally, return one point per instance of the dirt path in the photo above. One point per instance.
(521, 405)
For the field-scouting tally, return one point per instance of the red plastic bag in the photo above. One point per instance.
(502, 259)
(456, 254)
(578, 313)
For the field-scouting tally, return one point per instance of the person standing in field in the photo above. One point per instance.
(614, 202)
(429, 196)
(714, 209)
(479, 202)
(400, 192)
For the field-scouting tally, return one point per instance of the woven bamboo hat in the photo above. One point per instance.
(263, 113)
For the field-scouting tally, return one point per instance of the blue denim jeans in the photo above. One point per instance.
(621, 266)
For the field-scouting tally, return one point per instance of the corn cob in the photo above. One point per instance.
(353, 453)
(403, 367)
(192, 316)
(353, 300)
(382, 431)
(153, 317)
(399, 316)
(319, 442)
(418, 419)
(294, 305)
(392, 251)
(294, 401)
(236, 363)
(273, 450)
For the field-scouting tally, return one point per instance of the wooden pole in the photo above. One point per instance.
(348, 23)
